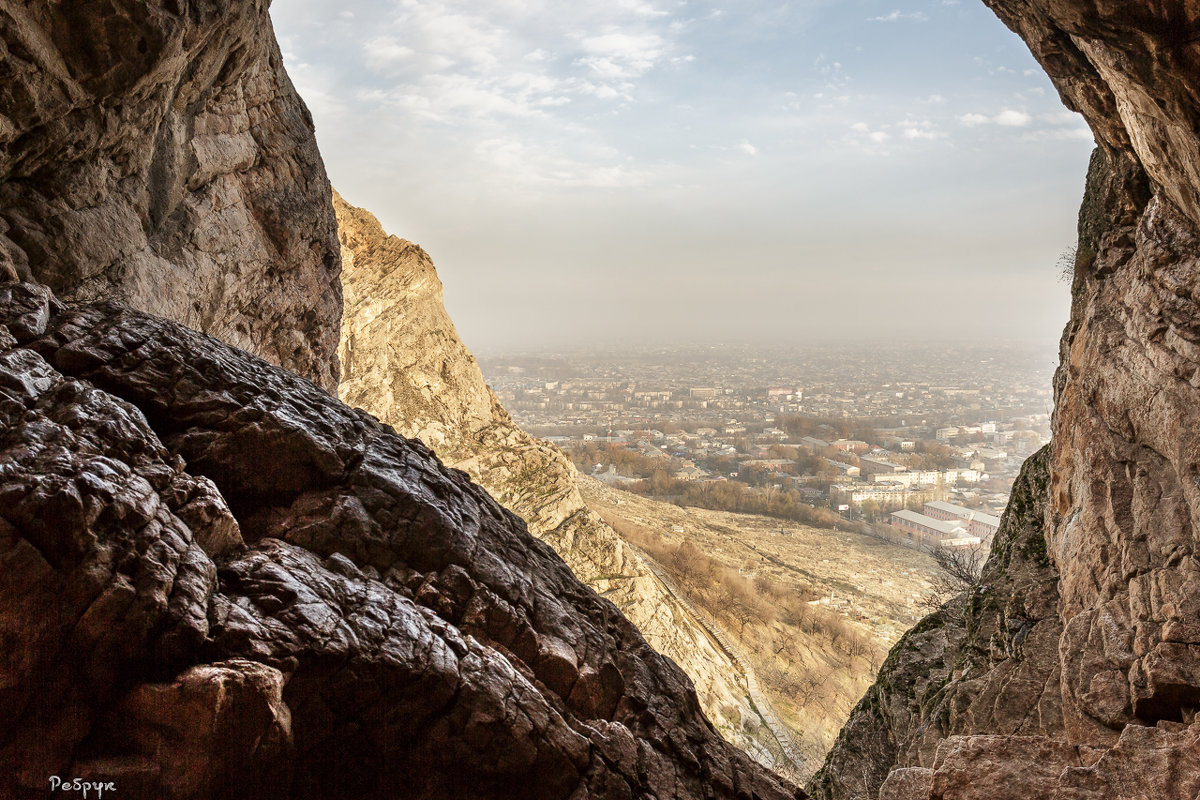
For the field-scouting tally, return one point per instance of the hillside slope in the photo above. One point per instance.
(402, 360)
(812, 610)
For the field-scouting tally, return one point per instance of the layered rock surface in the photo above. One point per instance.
(403, 361)
(155, 152)
(1106, 681)
(226, 583)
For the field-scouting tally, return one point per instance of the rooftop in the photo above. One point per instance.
(963, 512)
(929, 522)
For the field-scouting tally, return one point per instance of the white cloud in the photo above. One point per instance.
(920, 129)
(879, 137)
(457, 62)
(1012, 119)
(641, 8)
(535, 165)
(860, 127)
(1008, 118)
(898, 15)
(617, 54)
(1060, 117)
(384, 52)
(919, 133)
(747, 148)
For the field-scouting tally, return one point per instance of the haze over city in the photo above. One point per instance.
(633, 171)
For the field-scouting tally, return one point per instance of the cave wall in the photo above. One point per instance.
(156, 153)
(1119, 496)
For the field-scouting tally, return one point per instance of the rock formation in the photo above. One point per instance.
(217, 581)
(156, 153)
(225, 583)
(1073, 669)
(403, 361)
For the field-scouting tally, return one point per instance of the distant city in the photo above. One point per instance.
(860, 431)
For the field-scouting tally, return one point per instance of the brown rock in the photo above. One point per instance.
(157, 154)
(987, 662)
(1000, 767)
(907, 783)
(1121, 500)
(219, 730)
(365, 556)
(1162, 762)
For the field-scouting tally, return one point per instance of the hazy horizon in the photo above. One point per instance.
(632, 172)
(806, 347)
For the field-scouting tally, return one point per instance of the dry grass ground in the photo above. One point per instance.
(814, 610)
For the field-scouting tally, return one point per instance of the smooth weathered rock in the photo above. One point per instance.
(1000, 767)
(218, 730)
(384, 628)
(907, 783)
(1162, 762)
(403, 361)
(156, 153)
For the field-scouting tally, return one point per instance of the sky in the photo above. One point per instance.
(680, 171)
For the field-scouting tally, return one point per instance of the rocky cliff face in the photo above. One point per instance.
(402, 360)
(155, 152)
(218, 581)
(1077, 673)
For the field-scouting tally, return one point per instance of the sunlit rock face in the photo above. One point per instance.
(219, 581)
(1118, 502)
(156, 153)
(402, 360)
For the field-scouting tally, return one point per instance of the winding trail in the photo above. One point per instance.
(798, 765)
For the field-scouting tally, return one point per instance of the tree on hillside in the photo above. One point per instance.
(958, 569)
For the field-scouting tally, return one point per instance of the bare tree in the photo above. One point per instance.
(837, 629)
(785, 642)
(742, 615)
(1066, 264)
(809, 690)
(856, 644)
(689, 563)
(958, 569)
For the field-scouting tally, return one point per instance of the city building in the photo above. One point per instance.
(978, 523)
(927, 531)
(870, 465)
